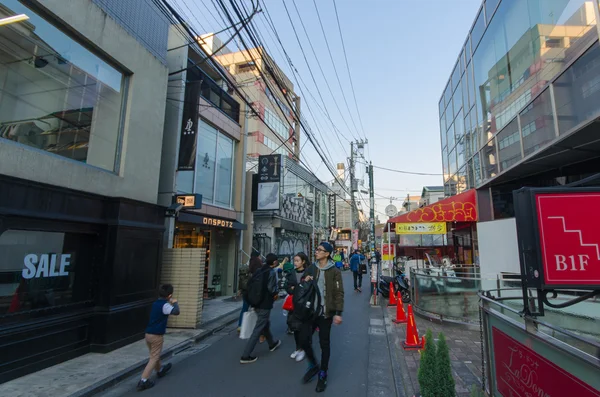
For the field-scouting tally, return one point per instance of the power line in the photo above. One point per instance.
(402, 172)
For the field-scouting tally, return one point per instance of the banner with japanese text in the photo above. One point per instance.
(421, 228)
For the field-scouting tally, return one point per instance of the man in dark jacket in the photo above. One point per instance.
(263, 310)
(331, 288)
(355, 261)
(244, 275)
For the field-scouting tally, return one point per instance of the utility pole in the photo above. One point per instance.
(353, 187)
(372, 215)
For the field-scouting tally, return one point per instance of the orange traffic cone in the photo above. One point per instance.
(412, 334)
(392, 301)
(400, 315)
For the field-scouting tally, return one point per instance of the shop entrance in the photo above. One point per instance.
(188, 235)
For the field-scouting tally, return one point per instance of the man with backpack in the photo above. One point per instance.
(355, 261)
(244, 275)
(261, 292)
(319, 303)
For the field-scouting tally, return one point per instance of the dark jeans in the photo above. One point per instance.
(324, 325)
(357, 279)
(245, 307)
(263, 327)
(297, 339)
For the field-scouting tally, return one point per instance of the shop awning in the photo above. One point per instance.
(459, 208)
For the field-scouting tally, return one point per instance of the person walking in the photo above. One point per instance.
(164, 306)
(355, 261)
(331, 290)
(301, 262)
(266, 282)
(245, 274)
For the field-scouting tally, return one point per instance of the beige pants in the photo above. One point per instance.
(155, 344)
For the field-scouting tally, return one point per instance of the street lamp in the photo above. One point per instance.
(13, 19)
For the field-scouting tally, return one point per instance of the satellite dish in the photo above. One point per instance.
(391, 210)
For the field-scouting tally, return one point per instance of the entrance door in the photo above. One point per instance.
(223, 262)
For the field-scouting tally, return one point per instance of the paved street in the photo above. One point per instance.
(213, 368)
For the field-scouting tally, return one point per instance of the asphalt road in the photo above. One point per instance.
(212, 368)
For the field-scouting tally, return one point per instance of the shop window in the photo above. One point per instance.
(42, 270)
(214, 166)
(55, 94)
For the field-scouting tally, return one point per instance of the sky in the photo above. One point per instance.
(400, 55)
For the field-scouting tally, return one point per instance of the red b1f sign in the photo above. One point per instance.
(569, 230)
(559, 237)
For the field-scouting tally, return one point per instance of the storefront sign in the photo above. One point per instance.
(190, 201)
(520, 371)
(459, 208)
(332, 210)
(388, 253)
(189, 127)
(559, 238)
(421, 228)
(45, 265)
(569, 238)
(269, 168)
(217, 222)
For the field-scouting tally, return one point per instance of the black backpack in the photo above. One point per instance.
(256, 288)
(307, 301)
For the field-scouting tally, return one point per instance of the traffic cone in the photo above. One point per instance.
(400, 315)
(392, 301)
(412, 334)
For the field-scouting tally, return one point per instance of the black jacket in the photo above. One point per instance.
(270, 288)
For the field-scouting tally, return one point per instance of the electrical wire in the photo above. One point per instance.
(403, 172)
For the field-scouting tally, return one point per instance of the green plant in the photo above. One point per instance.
(443, 369)
(476, 391)
(427, 368)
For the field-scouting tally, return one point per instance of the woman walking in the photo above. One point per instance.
(300, 264)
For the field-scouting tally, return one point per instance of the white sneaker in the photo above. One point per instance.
(294, 354)
(300, 355)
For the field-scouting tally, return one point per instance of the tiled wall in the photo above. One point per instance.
(184, 268)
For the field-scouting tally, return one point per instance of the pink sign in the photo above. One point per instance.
(355, 239)
(569, 226)
(521, 372)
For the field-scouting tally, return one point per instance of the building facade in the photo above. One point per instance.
(82, 99)
(203, 157)
(519, 110)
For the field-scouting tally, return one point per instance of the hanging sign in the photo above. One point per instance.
(332, 210)
(189, 201)
(388, 253)
(559, 238)
(421, 228)
(189, 127)
(269, 168)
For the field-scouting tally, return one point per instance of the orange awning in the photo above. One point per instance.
(459, 208)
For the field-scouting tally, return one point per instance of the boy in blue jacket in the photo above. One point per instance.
(164, 306)
(355, 261)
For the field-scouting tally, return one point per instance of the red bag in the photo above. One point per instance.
(288, 304)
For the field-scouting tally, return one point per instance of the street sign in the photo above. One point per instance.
(189, 201)
(269, 168)
(559, 238)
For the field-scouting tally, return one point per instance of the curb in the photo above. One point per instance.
(219, 323)
(399, 368)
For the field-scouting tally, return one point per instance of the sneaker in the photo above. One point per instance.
(290, 332)
(145, 384)
(359, 290)
(275, 346)
(164, 370)
(294, 354)
(248, 360)
(300, 356)
(322, 383)
(310, 373)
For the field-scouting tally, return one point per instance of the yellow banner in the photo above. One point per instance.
(421, 228)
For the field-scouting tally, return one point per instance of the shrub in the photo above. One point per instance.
(427, 368)
(443, 369)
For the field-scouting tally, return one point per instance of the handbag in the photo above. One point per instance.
(288, 303)
(362, 268)
(248, 323)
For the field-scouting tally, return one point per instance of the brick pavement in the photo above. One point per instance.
(465, 352)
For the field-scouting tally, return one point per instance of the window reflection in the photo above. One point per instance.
(55, 95)
(509, 145)
(537, 123)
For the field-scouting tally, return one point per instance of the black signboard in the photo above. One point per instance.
(332, 211)
(269, 168)
(189, 127)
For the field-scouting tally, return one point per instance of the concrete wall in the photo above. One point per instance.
(498, 248)
(143, 125)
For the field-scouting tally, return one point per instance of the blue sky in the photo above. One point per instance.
(400, 53)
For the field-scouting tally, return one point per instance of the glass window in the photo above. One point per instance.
(441, 107)
(443, 131)
(577, 91)
(469, 146)
(457, 99)
(445, 165)
(452, 162)
(224, 170)
(44, 269)
(205, 161)
(475, 131)
(462, 181)
(468, 49)
(509, 145)
(489, 161)
(470, 175)
(465, 91)
(460, 151)
(55, 94)
(461, 62)
(459, 127)
(450, 136)
(476, 170)
(455, 76)
(448, 94)
(537, 124)
(279, 126)
(185, 182)
(490, 8)
(449, 114)
(477, 31)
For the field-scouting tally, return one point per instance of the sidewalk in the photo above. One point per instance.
(94, 372)
(465, 352)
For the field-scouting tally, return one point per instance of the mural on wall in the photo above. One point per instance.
(290, 243)
(262, 243)
(297, 209)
